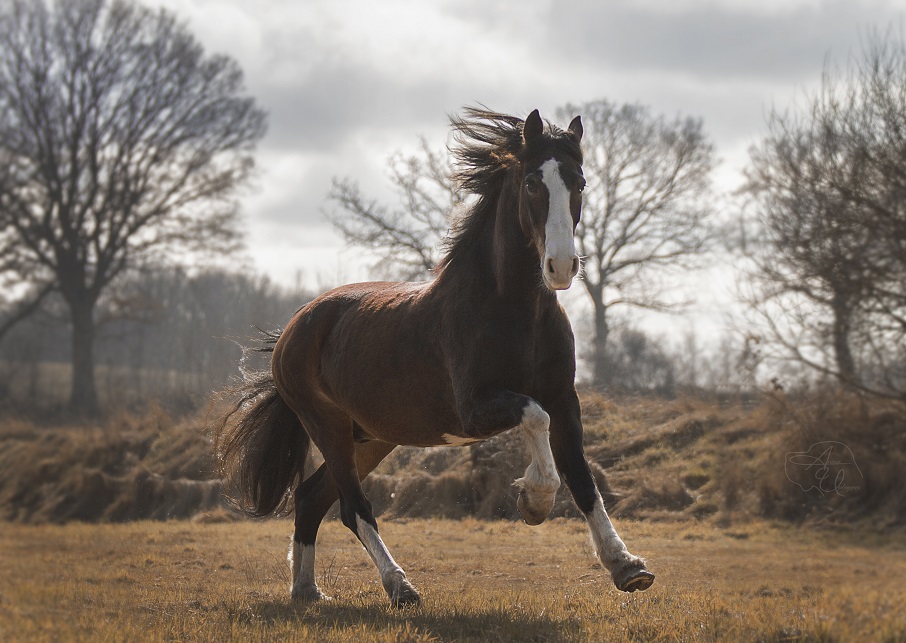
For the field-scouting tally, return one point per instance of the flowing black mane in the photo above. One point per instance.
(486, 145)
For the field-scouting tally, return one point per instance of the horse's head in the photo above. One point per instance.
(550, 197)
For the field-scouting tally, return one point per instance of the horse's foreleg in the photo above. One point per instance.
(628, 571)
(313, 498)
(538, 487)
(505, 410)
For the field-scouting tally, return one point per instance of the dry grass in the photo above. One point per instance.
(480, 581)
(686, 459)
(130, 467)
(697, 458)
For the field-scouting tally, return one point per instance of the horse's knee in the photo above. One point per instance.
(351, 510)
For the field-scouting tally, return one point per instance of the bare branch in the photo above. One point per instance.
(407, 239)
(25, 310)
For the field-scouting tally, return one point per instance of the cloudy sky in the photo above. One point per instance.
(347, 83)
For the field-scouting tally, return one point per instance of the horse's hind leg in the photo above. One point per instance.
(313, 498)
(331, 431)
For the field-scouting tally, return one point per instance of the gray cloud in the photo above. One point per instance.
(713, 42)
(337, 102)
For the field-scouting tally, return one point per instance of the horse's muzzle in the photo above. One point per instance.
(558, 273)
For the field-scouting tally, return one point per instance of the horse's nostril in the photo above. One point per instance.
(550, 265)
(575, 265)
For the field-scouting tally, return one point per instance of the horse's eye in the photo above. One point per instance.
(532, 185)
(580, 184)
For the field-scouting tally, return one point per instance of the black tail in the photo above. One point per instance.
(260, 446)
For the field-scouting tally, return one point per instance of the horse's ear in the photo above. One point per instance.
(575, 128)
(533, 127)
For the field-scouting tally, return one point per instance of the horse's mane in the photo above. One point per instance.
(486, 145)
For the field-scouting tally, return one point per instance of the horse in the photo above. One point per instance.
(483, 348)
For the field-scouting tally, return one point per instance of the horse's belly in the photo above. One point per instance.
(407, 406)
(411, 424)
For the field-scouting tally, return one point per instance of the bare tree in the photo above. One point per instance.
(645, 210)
(406, 238)
(119, 140)
(828, 186)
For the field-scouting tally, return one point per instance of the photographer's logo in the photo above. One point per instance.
(828, 467)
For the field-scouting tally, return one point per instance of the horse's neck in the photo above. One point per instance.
(499, 262)
(516, 267)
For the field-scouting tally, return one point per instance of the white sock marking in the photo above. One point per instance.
(302, 563)
(541, 475)
(609, 547)
(377, 550)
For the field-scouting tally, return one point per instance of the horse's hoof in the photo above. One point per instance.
(309, 594)
(402, 593)
(532, 515)
(633, 579)
(406, 597)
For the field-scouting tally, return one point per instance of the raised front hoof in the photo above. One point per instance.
(632, 579)
(309, 594)
(401, 592)
(531, 513)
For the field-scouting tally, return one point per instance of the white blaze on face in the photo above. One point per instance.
(559, 264)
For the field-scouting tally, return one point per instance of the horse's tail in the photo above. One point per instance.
(260, 445)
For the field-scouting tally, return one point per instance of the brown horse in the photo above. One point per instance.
(481, 349)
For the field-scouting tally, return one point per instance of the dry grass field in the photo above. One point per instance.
(742, 550)
(481, 581)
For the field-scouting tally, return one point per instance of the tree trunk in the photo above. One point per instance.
(83, 399)
(600, 367)
(846, 367)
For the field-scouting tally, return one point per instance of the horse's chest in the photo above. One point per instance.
(513, 354)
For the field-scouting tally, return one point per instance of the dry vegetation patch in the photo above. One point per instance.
(481, 581)
(679, 460)
(131, 467)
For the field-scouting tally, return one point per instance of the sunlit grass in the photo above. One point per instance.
(481, 581)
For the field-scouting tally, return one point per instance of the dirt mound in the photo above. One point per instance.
(843, 457)
(131, 468)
